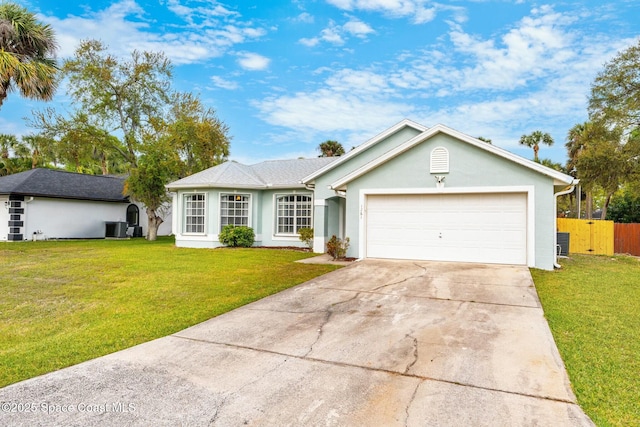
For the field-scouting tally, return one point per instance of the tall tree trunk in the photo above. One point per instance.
(607, 200)
(34, 158)
(104, 165)
(154, 224)
(588, 209)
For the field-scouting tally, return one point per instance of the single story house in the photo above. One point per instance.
(411, 192)
(51, 204)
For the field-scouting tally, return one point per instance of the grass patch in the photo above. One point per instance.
(593, 308)
(66, 302)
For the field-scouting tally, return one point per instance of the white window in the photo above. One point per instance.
(194, 213)
(234, 209)
(439, 160)
(293, 211)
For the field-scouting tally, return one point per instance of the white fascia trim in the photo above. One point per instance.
(362, 147)
(557, 176)
(296, 185)
(212, 186)
(528, 189)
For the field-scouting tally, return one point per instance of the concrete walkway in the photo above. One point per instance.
(377, 343)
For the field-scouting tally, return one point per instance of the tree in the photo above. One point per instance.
(8, 163)
(19, 155)
(188, 140)
(196, 134)
(625, 208)
(534, 140)
(483, 139)
(27, 54)
(575, 145)
(576, 138)
(165, 135)
(331, 148)
(551, 164)
(603, 161)
(81, 145)
(146, 183)
(615, 93)
(125, 96)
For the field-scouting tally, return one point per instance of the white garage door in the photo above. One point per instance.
(486, 228)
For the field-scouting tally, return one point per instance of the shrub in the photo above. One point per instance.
(306, 236)
(337, 248)
(237, 236)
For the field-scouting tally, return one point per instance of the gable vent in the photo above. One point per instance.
(439, 160)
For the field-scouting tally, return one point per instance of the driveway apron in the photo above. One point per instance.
(384, 343)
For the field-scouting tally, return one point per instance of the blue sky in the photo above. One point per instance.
(288, 75)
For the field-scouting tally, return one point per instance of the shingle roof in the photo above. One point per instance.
(64, 185)
(268, 174)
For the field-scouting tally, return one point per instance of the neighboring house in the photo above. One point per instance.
(51, 204)
(411, 192)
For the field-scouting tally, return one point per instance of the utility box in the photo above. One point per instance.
(563, 244)
(137, 231)
(115, 229)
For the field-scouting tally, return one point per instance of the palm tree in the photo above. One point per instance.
(331, 148)
(27, 50)
(575, 145)
(534, 140)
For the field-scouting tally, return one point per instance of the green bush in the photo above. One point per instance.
(306, 236)
(625, 208)
(237, 236)
(337, 248)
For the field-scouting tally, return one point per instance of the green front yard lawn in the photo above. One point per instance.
(593, 308)
(66, 302)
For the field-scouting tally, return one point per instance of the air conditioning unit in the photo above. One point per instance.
(115, 229)
(563, 244)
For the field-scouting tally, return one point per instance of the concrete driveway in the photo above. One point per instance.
(384, 343)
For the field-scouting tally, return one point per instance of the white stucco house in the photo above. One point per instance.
(411, 192)
(51, 204)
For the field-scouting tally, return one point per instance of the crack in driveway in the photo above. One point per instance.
(408, 407)
(403, 280)
(328, 313)
(415, 353)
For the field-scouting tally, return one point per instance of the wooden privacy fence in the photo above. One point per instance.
(626, 239)
(587, 236)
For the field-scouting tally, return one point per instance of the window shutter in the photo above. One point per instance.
(439, 160)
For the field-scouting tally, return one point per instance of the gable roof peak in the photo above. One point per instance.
(364, 146)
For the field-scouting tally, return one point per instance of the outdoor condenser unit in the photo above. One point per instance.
(563, 244)
(115, 229)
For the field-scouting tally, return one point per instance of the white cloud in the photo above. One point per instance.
(416, 9)
(335, 34)
(253, 61)
(309, 42)
(359, 82)
(208, 32)
(328, 111)
(305, 18)
(332, 35)
(195, 14)
(224, 83)
(357, 28)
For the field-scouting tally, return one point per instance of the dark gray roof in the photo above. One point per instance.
(64, 185)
